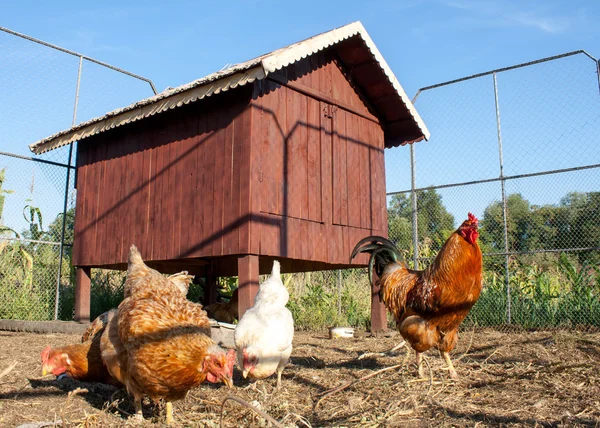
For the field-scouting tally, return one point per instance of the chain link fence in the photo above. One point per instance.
(516, 146)
(45, 89)
(519, 148)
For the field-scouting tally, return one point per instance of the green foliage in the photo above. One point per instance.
(435, 223)
(573, 223)
(562, 294)
(314, 299)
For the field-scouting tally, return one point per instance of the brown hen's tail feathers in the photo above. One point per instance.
(134, 256)
(383, 253)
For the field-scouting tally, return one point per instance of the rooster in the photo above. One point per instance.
(429, 305)
(263, 337)
(164, 347)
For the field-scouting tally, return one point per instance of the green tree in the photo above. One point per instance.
(435, 223)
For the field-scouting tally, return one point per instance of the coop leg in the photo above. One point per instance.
(248, 282)
(378, 313)
(451, 368)
(82, 294)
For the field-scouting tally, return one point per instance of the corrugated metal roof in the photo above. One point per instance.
(237, 75)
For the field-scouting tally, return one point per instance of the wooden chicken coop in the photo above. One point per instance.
(280, 157)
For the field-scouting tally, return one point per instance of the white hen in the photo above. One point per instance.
(263, 337)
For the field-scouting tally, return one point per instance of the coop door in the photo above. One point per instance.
(356, 176)
(291, 158)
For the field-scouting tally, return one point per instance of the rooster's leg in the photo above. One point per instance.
(279, 379)
(138, 408)
(420, 365)
(451, 368)
(169, 413)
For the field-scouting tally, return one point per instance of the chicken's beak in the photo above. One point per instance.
(245, 372)
(228, 381)
(44, 372)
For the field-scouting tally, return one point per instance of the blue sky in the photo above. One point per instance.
(423, 41)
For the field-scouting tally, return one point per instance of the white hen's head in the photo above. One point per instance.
(259, 363)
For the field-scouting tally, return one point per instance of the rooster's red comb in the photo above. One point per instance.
(473, 218)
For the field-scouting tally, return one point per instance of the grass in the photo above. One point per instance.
(546, 291)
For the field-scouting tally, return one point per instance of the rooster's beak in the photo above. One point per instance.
(245, 372)
(44, 371)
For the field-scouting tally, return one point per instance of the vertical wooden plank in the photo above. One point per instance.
(106, 197)
(302, 161)
(81, 207)
(82, 294)
(143, 241)
(187, 186)
(158, 196)
(258, 133)
(131, 198)
(382, 184)
(326, 126)
(166, 176)
(208, 179)
(218, 180)
(292, 191)
(98, 221)
(175, 178)
(134, 191)
(90, 201)
(375, 177)
(248, 282)
(280, 157)
(245, 183)
(200, 198)
(314, 161)
(340, 168)
(273, 124)
(115, 212)
(230, 207)
(353, 169)
(366, 201)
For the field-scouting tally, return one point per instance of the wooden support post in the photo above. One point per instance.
(212, 282)
(82, 294)
(248, 282)
(378, 311)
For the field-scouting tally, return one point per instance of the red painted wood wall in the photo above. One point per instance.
(293, 171)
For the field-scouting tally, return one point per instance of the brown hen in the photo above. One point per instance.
(166, 339)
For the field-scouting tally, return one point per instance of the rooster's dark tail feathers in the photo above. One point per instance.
(383, 252)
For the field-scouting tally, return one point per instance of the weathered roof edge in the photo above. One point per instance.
(238, 75)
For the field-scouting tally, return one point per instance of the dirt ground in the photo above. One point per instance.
(506, 379)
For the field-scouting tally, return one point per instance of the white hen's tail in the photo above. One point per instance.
(276, 269)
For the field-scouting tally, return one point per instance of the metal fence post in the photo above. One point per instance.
(339, 286)
(504, 207)
(66, 200)
(413, 198)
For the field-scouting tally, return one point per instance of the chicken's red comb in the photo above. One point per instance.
(473, 218)
(46, 353)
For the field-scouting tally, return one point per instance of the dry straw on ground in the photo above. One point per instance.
(510, 379)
